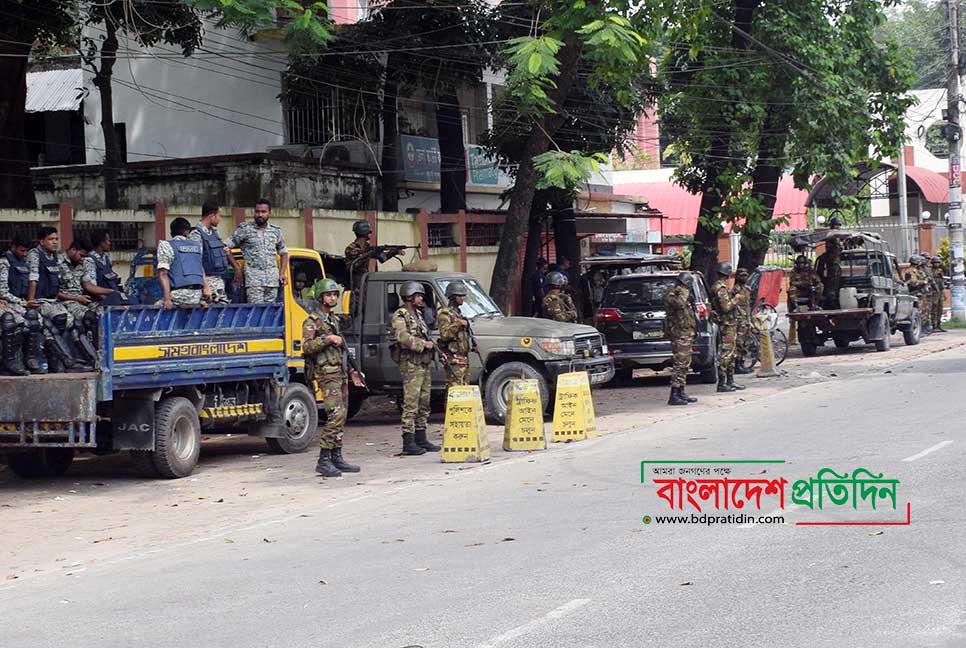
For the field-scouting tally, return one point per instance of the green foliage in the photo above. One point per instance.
(944, 252)
(566, 170)
(306, 24)
(919, 26)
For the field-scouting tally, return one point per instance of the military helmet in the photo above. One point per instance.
(683, 278)
(557, 279)
(724, 269)
(411, 289)
(800, 259)
(936, 259)
(455, 288)
(835, 222)
(915, 260)
(323, 286)
(361, 228)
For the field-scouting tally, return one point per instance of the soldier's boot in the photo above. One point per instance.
(69, 337)
(33, 343)
(341, 464)
(740, 367)
(731, 382)
(684, 394)
(11, 339)
(425, 443)
(723, 385)
(676, 398)
(410, 447)
(91, 327)
(325, 467)
(59, 356)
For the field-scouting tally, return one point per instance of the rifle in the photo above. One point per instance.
(349, 362)
(473, 346)
(383, 253)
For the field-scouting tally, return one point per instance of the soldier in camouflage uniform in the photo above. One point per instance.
(558, 305)
(742, 295)
(413, 350)
(357, 255)
(454, 336)
(682, 326)
(919, 282)
(21, 329)
(939, 279)
(726, 313)
(804, 293)
(259, 243)
(323, 348)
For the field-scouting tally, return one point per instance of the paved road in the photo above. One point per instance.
(549, 550)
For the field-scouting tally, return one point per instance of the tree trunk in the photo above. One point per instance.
(390, 138)
(452, 158)
(704, 256)
(565, 239)
(534, 232)
(765, 179)
(112, 148)
(506, 272)
(16, 189)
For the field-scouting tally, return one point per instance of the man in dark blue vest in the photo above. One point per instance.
(100, 281)
(21, 330)
(216, 255)
(181, 268)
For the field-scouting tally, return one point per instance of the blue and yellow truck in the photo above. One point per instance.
(163, 378)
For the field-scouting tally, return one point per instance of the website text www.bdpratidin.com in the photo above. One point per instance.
(710, 520)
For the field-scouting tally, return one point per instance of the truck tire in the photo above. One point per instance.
(912, 334)
(841, 341)
(498, 383)
(886, 342)
(48, 462)
(808, 348)
(355, 404)
(299, 414)
(177, 438)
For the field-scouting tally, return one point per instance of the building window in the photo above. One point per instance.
(328, 115)
(483, 234)
(441, 235)
(125, 237)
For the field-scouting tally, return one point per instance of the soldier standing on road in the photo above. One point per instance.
(322, 348)
(413, 350)
(259, 243)
(742, 296)
(216, 255)
(181, 270)
(939, 286)
(454, 336)
(558, 305)
(682, 326)
(727, 315)
(919, 282)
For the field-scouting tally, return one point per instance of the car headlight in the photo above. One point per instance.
(556, 346)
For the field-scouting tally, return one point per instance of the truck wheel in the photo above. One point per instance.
(912, 334)
(886, 342)
(299, 414)
(497, 388)
(841, 341)
(355, 404)
(177, 438)
(48, 462)
(808, 348)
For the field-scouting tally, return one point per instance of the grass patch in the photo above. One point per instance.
(954, 325)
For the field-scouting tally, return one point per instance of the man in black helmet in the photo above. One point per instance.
(682, 326)
(726, 311)
(359, 252)
(558, 305)
(454, 336)
(413, 350)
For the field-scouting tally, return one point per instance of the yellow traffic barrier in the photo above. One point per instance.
(524, 417)
(465, 439)
(573, 409)
(766, 353)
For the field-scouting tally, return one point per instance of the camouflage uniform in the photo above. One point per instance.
(727, 316)
(71, 277)
(454, 340)
(259, 247)
(216, 284)
(411, 334)
(936, 312)
(179, 296)
(325, 363)
(742, 295)
(13, 304)
(919, 284)
(356, 267)
(682, 326)
(559, 306)
(802, 283)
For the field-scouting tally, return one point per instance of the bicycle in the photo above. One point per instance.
(767, 321)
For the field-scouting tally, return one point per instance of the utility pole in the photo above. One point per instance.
(903, 206)
(953, 137)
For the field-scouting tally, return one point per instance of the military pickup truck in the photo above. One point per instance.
(510, 347)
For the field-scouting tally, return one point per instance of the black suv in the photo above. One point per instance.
(631, 318)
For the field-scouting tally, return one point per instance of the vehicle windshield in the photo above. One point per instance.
(477, 302)
(637, 294)
(863, 263)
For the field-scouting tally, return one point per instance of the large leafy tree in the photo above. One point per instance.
(754, 89)
(920, 28)
(567, 39)
(31, 26)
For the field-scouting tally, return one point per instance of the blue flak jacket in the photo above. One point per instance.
(187, 269)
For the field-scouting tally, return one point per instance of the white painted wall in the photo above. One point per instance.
(220, 101)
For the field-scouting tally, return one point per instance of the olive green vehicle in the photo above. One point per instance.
(509, 347)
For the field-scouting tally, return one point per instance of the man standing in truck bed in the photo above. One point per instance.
(181, 270)
(260, 242)
(413, 350)
(322, 348)
(216, 255)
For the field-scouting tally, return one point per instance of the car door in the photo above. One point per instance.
(382, 300)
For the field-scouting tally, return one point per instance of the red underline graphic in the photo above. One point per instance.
(887, 523)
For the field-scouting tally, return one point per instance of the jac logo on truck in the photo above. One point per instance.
(203, 349)
(134, 427)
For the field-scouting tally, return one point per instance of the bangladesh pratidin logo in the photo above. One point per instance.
(721, 493)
